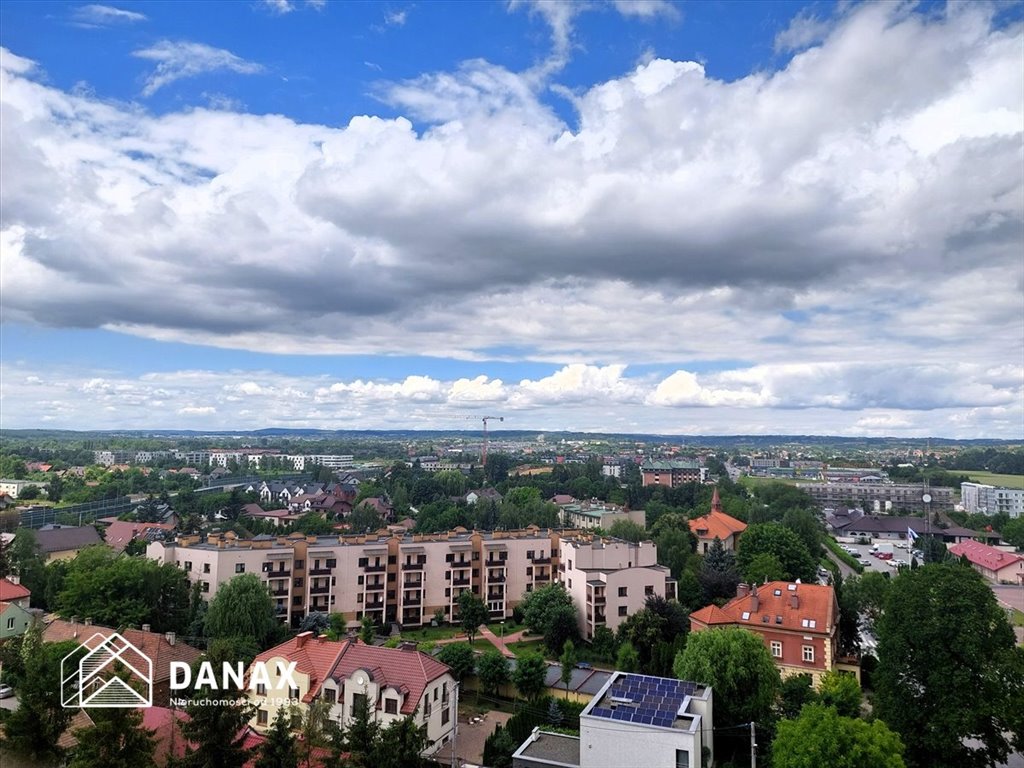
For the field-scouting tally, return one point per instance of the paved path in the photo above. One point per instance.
(497, 642)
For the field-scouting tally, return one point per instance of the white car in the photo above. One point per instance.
(865, 561)
(6, 691)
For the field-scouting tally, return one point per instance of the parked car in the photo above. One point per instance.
(6, 691)
(865, 561)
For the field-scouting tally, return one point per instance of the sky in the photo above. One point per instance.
(676, 218)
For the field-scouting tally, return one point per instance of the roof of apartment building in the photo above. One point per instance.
(120, 533)
(778, 605)
(9, 591)
(405, 670)
(716, 524)
(161, 649)
(665, 465)
(985, 556)
(62, 538)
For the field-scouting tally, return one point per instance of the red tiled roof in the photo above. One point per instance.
(9, 591)
(987, 557)
(407, 670)
(120, 533)
(814, 603)
(716, 524)
(167, 734)
(313, 656)
(153, 644)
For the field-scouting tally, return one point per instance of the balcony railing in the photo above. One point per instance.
(412, 601)
(600, 599)
(541, 560)
(319, 590)
(460, 582)
(375, 568)
(374, 606)
(413, 566)
(279, 574)
(280, 592)
(320, 571)
(496, 579)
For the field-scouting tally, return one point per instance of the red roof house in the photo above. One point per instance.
(995, 564)
(716, 525)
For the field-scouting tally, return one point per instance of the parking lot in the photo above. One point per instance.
(863, 553)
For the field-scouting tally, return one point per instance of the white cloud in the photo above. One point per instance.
(279, 6)
(646, 9)
(105, 15)
(197, 410)
(395, 18)
(181, 59)
(805, 29)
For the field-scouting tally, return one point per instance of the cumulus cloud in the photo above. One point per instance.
(854, 399)
(180, 59)
(804, 29)
(646, 9)
(94, 15)
(861, 203)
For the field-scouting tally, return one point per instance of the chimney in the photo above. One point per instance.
(146, 627)
(74, 619)
(794, 601)
(742, 590)
(755, 601)
(88, 622)
(302, 638)
(407, 646)
(14, 578)
(170, 637)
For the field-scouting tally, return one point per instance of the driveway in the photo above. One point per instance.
(469, 743)
(11, 703)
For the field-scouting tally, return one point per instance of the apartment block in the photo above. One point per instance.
(979, 498)
(609, 579)
(392, 578)
(672, 474)
(905, 497)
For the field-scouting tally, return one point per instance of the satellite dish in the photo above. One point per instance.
(926, 498)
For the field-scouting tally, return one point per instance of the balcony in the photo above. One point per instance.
(279, 574)
(495, 579)
(541, 560)
(460, 582)
(600, 600)
(412, 601)
(280, 592)
(375, 568)
(374, 606)
(319, 590)
(320, 571)
(413, 566)
(281, 610)
(461, 565)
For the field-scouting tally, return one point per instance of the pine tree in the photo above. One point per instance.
(278, 751)
(115, 740)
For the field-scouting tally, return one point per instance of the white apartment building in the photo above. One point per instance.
(13, 487)
(109, 458)
(634, 720)
(978, 498)
(609, 579)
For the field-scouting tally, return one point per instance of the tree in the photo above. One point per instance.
(315, 621)
(627, 659)
(32, 730)
(529, 674)
(55, 488)
(561, 627)
(603, 643)
(459, 657)
(805, 524)
(718, 576)
(776, 539)
(472, 613)
(314, 524)
(400, 745)
(364, 518)
(1013, 532)
(943, 634)
(871, 590)
(849, 614)
(243, 608)
(315, 727)
(278, 751)
(30, 492)
(116, 739)
(215, 723)
(493, 670)
(568, 662)
(763, 568)
(820, 737)
(841, 691)
(367, 629)
(676, 542)
(796, 691)
(627, 530)
(736, 664)
(541, 609)
(361, 733)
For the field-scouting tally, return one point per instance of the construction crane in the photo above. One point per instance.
(485, 419)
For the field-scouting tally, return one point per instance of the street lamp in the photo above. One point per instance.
(502, 631)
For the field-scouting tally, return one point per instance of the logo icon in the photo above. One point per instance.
(106, 671)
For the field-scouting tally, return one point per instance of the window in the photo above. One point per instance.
(359, 580)
(529, 554)
(649, 589)
(188, 565)
(570, 583)
(206, 567)
(293, 693)
(445, 716)
(329, 694)
(435, 694)
(297, 600)
(622, 591)
(682, 758)
(261, 689)
(529, 570)
(363, 562)
(261, 717)
(331, 562)
(268, 567)
(299, 564)
(205, 586)
(746, 615)
(297, 582)
(622, 610)
(776, 649)
(809, 653)
(239, 567)
(10, 623)
(391, 706)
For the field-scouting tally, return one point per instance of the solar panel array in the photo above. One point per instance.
(654, 700)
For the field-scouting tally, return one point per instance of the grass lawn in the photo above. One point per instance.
(991, 478)
(431, 633)
(750, 481)
(510, 627)
(526, 646)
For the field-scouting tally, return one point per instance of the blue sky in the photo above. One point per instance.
(712, 217)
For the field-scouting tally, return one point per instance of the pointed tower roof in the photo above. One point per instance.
(716, 503)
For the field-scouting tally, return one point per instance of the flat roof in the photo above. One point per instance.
(645, 700)
(553, 748)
